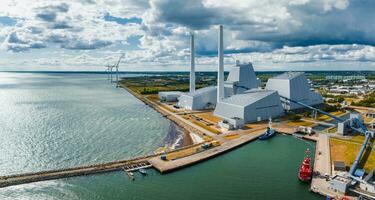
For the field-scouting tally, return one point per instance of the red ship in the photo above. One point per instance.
(305, 170)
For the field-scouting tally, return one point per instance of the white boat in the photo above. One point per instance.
(142, 171)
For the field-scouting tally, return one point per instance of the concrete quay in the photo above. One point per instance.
(168, 166)
(18, 179)
(322, 166)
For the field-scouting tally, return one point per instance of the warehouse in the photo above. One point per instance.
(250, 106)
(294, 85)
(169, 96)
(200, 99)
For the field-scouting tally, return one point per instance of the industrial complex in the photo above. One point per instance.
(240, 100)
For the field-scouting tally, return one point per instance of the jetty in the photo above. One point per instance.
(129, 165)
(168, 166)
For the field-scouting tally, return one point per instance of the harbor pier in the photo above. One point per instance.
(130, 165)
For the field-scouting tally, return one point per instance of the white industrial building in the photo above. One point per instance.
(294, 85)
(200, 99)
(250, 106)
(241, 78)
(169, 96)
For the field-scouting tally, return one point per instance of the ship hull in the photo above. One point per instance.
(266, 135)
(304, 179)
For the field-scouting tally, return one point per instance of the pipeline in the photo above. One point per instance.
(312, 108)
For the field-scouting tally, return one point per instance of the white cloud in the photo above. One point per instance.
(268, 31)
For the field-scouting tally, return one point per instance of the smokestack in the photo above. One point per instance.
(192, 64)
(220, 75)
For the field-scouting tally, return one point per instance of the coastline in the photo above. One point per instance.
(187, 139)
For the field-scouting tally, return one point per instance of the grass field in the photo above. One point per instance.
(208, 116)
(299, 123)
(326, 118)
(347, 150)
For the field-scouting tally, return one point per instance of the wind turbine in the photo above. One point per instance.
(108, 70)
(117, 65)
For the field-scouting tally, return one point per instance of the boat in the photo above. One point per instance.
(305, 171)
(142, 171)
(270, 132)
(130, 173)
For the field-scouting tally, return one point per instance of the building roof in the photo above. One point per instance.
(248, 97)
(170, 93)
(201, 91)
(288, 75)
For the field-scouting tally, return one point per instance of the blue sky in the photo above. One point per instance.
(154, 34)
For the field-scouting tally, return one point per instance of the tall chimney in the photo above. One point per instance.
(192, 64)
(220, 75)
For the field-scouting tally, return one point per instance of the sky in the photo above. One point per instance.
(153, 35)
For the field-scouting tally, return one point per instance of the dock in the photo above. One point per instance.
(129, 165)
(322, 167)
(168, 166)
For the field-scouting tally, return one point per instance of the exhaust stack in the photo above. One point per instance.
(220, 75)
(192, 64)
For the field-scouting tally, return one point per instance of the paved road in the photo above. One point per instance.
(322, 165)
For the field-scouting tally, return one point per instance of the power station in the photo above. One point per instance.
(294, 85)
(239, 99)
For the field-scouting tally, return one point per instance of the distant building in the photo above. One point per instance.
(294, 85)
(169, 96)
(250, 106)
(345, 78)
